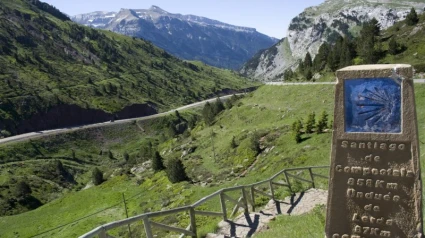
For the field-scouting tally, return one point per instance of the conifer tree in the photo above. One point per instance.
(157, 162)
(308, 74)
(301, 67)
(412, 18)
(178, 115)
(288, 75)
(296, 130)
(346, 53)
(307, 61)
(218, 106)
(322, 123)
(334, 55)
(175, 171)
(208, 113)
(393, 46)
(367, 40)
(172, 132)
(310, 123)
(319, 62)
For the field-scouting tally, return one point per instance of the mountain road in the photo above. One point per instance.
(37, 134)
(33, 135)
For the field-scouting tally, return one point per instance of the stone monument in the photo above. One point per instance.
(375, 185)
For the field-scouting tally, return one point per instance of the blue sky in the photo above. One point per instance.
(270, 17)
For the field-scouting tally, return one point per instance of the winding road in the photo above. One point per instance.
(37, 134)
(33, 135)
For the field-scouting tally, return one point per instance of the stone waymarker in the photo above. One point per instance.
(375, 184)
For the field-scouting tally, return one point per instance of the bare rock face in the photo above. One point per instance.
(324, 23)
(185, 36)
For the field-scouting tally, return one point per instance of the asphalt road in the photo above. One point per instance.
(33, 135)
(309, 83)
(301, 83)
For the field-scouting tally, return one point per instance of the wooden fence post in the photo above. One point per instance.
(223, 206)
(193, 221)
(272, 190)
(245, 201)
(253, 198)
(312, 177)
(288, 182)
(147, 225)
(102, 233)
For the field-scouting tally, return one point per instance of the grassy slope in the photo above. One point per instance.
(272, 103)
(412, 37)
(312, 224)
(46, 61)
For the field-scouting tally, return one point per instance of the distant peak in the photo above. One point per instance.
(157, 9)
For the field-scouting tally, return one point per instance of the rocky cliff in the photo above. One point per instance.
(186, 36)
(325, 22)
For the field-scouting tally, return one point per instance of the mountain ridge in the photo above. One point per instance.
(50, 63)
(188, 37)
(323, 23)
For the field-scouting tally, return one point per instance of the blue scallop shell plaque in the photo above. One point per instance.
(372, 105)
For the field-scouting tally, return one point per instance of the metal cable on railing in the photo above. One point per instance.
(242, 202)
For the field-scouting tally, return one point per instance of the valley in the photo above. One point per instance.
(272, 108)
(109, 115)
(57, 73)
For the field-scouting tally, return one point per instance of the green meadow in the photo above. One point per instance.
(76, 208)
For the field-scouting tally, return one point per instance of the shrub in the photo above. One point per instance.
(126, 156)
(419, 68)
(97, 176)
(22, 189)
(5, 133)
(233, 143)
(110, 155)
(255, 143)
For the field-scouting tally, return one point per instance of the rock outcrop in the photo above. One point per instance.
(325, 22)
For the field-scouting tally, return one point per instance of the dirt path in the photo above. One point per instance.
(246, 225)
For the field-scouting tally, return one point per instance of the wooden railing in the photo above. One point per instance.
(242, 202)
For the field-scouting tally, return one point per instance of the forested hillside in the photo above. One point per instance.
(401, 43)
(57, 73)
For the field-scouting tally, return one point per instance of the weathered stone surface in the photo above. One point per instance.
(375, 184)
